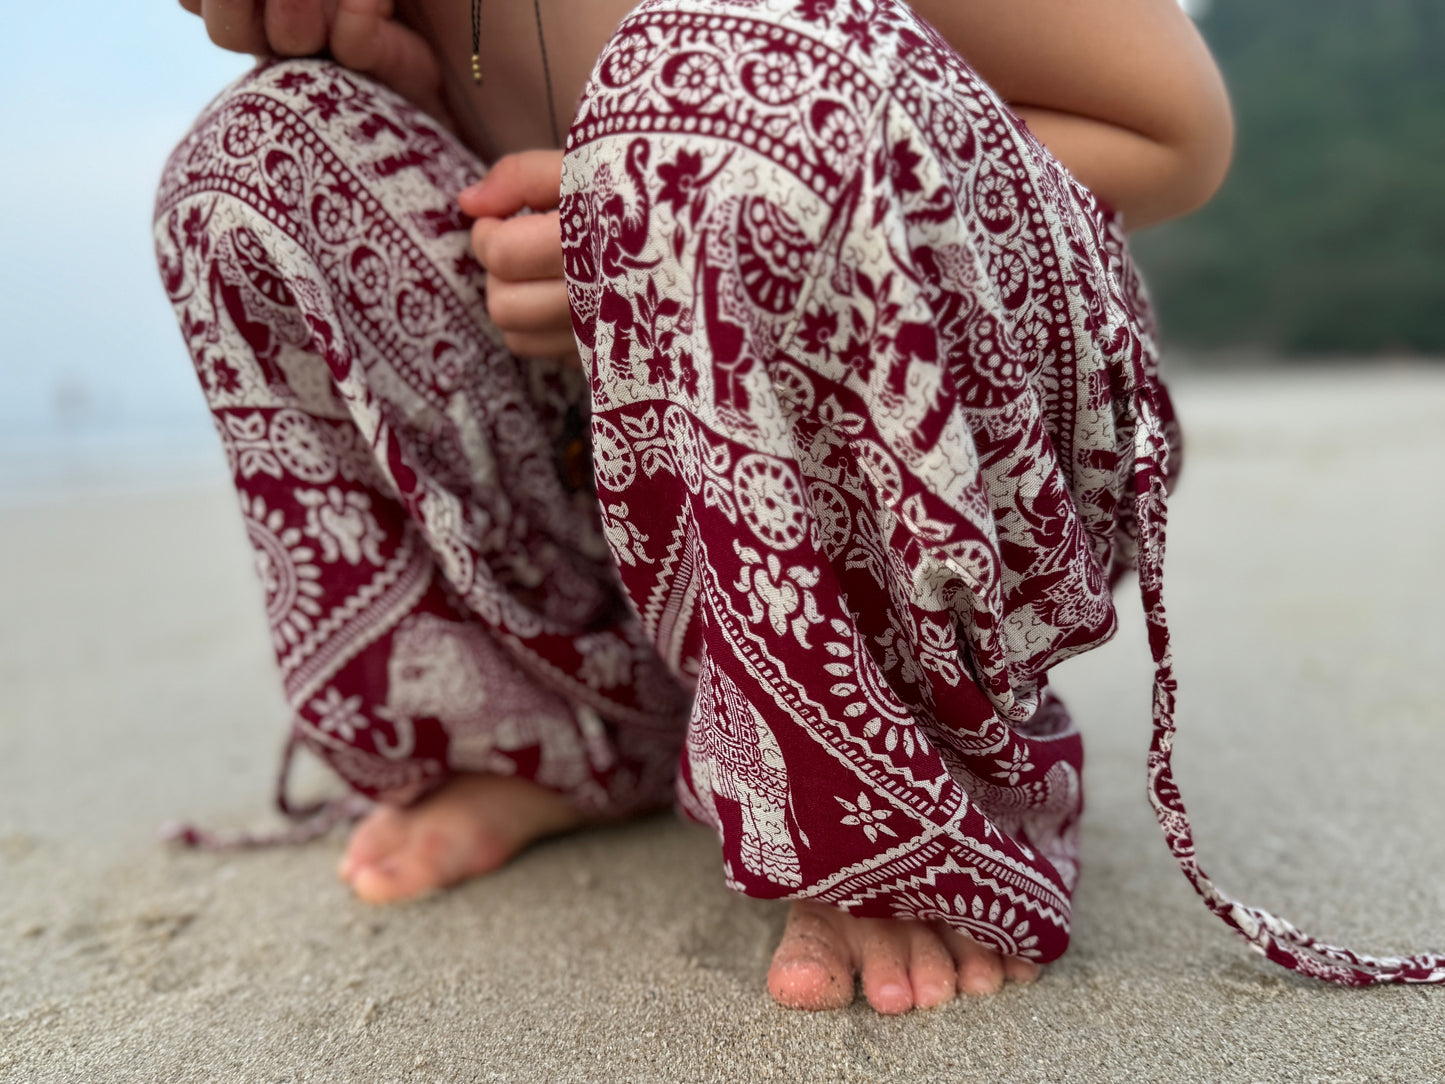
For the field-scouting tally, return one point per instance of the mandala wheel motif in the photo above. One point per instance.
(275, 571)
(834, 523)
(301, 447)
(682, 440)
(882, 469)
(771, 501)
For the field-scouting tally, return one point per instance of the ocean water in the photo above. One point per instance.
(61, 465)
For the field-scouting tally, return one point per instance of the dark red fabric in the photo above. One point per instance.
(876, 425)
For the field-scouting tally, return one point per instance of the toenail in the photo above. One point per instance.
(982, 984)
(893, 992)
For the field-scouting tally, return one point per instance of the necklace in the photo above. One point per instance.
(546, 68)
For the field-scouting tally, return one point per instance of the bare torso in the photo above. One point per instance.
(508, 112)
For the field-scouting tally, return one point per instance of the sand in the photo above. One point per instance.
(1304, 577)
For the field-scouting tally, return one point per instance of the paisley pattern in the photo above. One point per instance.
(884, 381)
(439, 599)
(844, 383)
(875, 421)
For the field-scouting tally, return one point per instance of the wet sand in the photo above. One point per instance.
(1304, 582)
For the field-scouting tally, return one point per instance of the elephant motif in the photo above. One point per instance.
(457, 674)
(735, 756)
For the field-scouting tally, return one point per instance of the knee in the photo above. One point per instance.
(303, 140)
(304, 186)
(250, 111)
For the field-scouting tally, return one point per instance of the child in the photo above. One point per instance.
(874, 414)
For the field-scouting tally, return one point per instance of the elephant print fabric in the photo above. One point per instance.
(862, 447)
(878, 425)
(439, 592)
(875, 426)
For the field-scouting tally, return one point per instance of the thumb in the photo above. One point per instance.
(526, 179)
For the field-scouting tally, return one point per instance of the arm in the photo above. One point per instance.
(1123, 92)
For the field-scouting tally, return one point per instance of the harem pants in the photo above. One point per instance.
(864, 368)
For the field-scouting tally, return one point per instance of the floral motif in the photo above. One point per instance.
(783, 598)
(775, 75)
(628, 543)
(1012, 769)
(860, 812)
(342, 523)
(284, 565)
(339, 715)
(679, 179)
(247, 444)
(692, 78)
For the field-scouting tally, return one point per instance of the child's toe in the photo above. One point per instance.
(930, 968)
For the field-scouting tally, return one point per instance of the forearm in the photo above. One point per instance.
(1123, 92)
(1146, 180)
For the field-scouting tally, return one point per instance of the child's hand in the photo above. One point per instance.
(526, 291)
(267, 27)
(361, 35)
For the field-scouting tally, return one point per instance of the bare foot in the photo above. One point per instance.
(905, 965)
(471, 826)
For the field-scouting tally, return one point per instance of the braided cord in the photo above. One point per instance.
(546, 70)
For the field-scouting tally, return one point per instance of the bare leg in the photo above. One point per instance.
(471, 826)
(903, 965)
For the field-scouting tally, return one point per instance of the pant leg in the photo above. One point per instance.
(857, 346)
(439, 598)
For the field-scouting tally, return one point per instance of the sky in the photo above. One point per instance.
(92, 97)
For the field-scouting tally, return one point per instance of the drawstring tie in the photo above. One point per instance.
(309, 822)
(1273, 937)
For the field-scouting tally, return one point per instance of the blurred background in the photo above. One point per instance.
(1329, 236)
(96, 390)
(1328, 239)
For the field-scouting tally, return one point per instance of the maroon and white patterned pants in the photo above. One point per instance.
(858, 446)
(875, 425)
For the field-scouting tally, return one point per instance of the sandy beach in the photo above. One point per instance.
(1304, 582)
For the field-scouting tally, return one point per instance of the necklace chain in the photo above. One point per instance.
(546, 67)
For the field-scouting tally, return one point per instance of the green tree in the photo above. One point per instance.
(1329, 235)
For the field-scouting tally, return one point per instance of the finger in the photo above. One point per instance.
(525, 179)
(536, 307)
(527, 345)
(236, 25)
(522, 248)
(980, 969)
(297, 27)
(364, 38)
(882, 948)
(193, 6)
